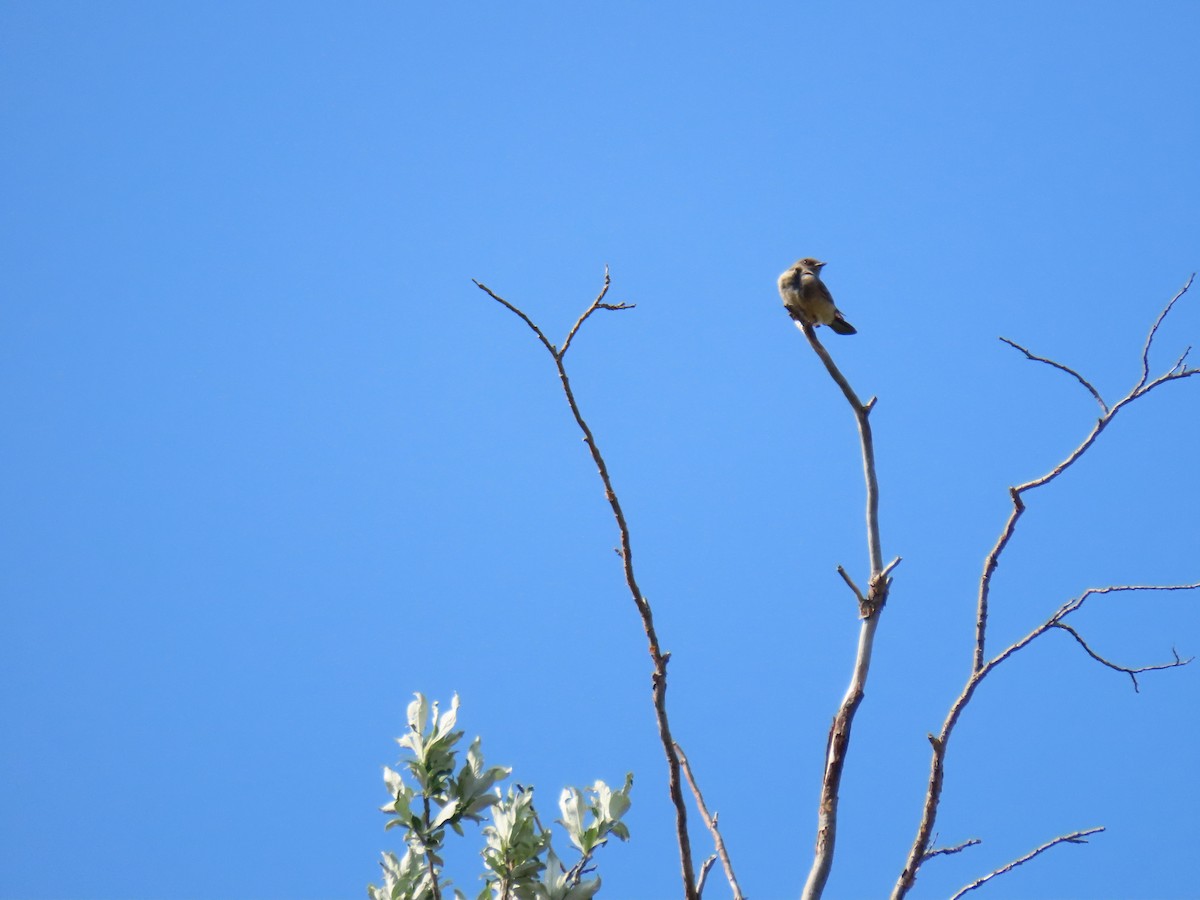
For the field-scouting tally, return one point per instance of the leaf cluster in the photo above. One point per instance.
(520, 862)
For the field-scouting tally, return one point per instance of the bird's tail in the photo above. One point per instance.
(841, 326)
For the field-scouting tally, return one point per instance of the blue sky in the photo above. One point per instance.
(273, 463)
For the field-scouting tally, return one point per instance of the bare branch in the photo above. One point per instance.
(854, 587)
(946, 851)
(980, 668)
(834, 372)
(1075, 837)
(1087, 384)
(524, 318)
(1132, 673)
(887, 570)
(917, 854)
(658, 657)
(870, 608)
(1139, 390)
(598, 303)
(1154, 330)
(1072, 605)
(702, 878)
(711, 822)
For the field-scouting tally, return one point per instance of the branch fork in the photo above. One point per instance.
(658, 657)
(982, 666)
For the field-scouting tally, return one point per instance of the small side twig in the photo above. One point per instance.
(658, 657)
(1154, 330)
(850, 583)
(710, 820)
(1132, 673)
(946, 851)
(1075, 837)
(702, 878)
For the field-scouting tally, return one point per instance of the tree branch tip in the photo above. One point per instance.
(870, 405)
(841, 570)
(947, 851)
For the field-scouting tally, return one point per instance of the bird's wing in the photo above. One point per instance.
(815, 289)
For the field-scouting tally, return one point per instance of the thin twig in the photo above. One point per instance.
(980, 668)
(658, 657)
(711, 822)
(1154, 330)
(946, 851)
(850, 583)
(524, 318)
(1132, 673)
(1075, 837)
(1087, 384)
(870, 607)
(1139, 390)
(1072, 605)
(598, 303)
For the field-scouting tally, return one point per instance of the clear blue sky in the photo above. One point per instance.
(272, 462)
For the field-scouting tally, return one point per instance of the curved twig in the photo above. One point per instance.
(1087, 384)
(658, 657)
(1131, 672)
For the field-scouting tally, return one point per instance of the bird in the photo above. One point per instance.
(807, 300)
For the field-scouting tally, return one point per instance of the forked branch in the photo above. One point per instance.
(710, 820)
(981, 666)
(1144, 386)
(658, 657)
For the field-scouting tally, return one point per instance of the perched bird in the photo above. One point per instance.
(806, 298)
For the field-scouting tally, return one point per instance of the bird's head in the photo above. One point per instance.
(813, 265)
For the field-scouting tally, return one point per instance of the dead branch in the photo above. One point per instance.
(658, 657)
(702, 878)
(980, 668)
(1143, 387)
(1087, 384)
(870, 606)
(711, 822)
(946, 851)
(1075, 837)
(1132, 673)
